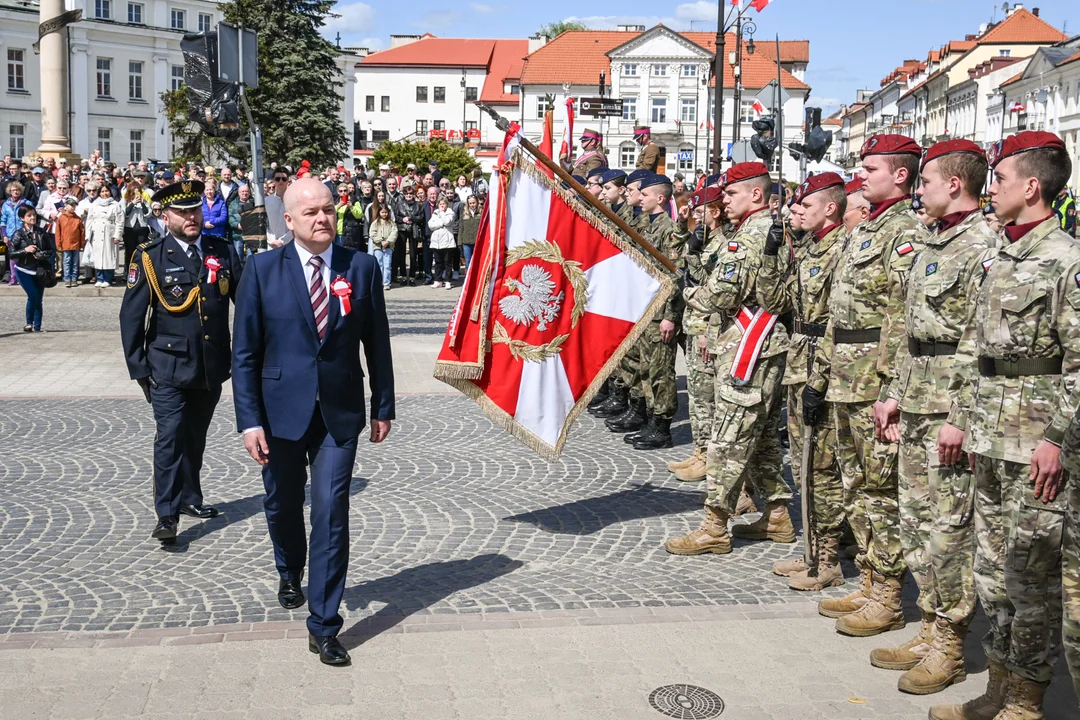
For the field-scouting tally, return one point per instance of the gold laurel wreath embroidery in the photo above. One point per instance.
(549, 252)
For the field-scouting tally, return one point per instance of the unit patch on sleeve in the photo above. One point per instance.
(729, 271)
(814, 271)
(1076, 277)
(931, 269)
(866, 244)
(733, 246)
(133, 275)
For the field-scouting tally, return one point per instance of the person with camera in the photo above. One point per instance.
(33, 253)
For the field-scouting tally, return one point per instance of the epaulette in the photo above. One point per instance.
(148, 244)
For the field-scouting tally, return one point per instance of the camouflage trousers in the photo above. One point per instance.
(701, 388)
(1018, 568)
(745, 443)
(868, 467)
(937, 529)
(827, 490)
(1070, 582)
(656, 373)
(626, 375)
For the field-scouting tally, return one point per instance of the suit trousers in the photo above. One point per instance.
(183, 417)
(285, 477)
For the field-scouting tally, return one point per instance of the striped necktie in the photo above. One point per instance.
(320, 299)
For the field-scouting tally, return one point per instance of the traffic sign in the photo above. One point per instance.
(767, 96)
(686, 155)
(600, 107)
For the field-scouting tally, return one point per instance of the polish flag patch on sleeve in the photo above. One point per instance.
(733, 246)
(987, 263)
(904, 249)
(1076, 277)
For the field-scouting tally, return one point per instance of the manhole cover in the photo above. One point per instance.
(687, 702)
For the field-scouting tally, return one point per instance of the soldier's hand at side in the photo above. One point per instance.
(950, 441)
(775, 239)
(1046, 471)
(885, 414)
(257, 447)
(667, 331)
(813, 406)
(703, 345)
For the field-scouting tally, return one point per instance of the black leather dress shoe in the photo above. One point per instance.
(165, 529)
(331, 652)
(289, 593)
(203, 512)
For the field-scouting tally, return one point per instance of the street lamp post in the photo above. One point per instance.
(722, 26)
(743, 28)
(464, 105)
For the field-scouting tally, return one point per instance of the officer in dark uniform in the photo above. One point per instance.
(174, 325)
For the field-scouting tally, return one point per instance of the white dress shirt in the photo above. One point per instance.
(276, 229)
(185, 245)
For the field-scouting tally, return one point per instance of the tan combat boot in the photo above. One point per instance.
(826, 573)
(1024, 700)
(746, 502)
(680, 464)
(788, 568)
(910, 653)
(984, 707)
(942, 666)
(774, 524)
(850, 603)
(694, 471)
(882, 614)
(711, 537)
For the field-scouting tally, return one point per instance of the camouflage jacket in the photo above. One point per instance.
(1070, 447)
(660, 231)
(698, 265)
(941, 293)
(729, 288)
(803, 289)
(1028, 307)
(867, 293)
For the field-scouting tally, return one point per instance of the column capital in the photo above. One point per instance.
(80, 47)
(160, 58)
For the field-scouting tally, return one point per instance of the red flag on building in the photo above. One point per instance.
(759, 5)
(758, 107)
(557, 298)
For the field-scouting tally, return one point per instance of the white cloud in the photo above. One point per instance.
(355, 21)
(485, 9)
(703, 12)
(698, 16)
(823, 102)
(437, 19)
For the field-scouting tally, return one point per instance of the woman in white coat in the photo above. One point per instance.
(104, 229)
(442, 243)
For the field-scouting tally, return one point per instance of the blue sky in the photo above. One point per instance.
(844, 56)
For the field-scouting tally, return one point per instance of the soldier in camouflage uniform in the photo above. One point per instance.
(856, 364)
(818, 209)
(937, 500)
(613, 194)
(1070, 552)
(744, 441)
(1016, 392)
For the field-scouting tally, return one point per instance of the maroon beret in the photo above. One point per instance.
(815, 183)
(705, 196)
(853, 187)
(890, 145)
(948, 148)
(745, 171)
(1022, 142)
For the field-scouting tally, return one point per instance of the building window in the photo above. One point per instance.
(689, 70)
(16, 70)
(177, 77)
(627, 155)
(542, 106)
(384, 103)
(17, 140)
(178, 19)
(205, 22)
(686, 158)
(470, 94)
(1004, 53)
(104, 77)
(380, 135)
(136, 145)
(438, 124)
(104, 143)
(421, 93)
(103, 9)
(659, 70)
(135, 81)
(515, 89)
(470, 125)
(629, 108)
(688, 110)
(421, 127)
(440, 94)
(369, 103)
(629, 70)
(135, 13)
(746, 111)
(658, 112)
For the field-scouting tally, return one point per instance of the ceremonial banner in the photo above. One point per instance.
(557, 300)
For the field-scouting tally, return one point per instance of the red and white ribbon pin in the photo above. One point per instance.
(212, 267)
(343, 291)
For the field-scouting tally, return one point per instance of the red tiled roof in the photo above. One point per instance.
(1022, 27)
(1070, 59)
(506, 63)
(434, 51)
(577, 57)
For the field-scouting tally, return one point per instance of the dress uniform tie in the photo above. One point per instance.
(320, 299)
(193, 253)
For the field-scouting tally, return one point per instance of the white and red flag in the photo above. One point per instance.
(758, 108)
(566, 147)
(558, 297)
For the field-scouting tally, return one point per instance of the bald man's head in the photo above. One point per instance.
(310, 214)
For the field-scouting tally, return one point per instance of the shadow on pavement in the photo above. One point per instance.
(584, 517)
(416, 588)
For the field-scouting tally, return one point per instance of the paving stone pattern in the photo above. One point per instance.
(450, 515)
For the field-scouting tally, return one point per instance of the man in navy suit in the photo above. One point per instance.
(301, 314)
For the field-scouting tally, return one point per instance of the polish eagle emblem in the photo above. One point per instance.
(536, 301)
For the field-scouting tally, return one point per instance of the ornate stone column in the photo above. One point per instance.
(54, 85)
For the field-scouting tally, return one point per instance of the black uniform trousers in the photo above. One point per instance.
(183, 417)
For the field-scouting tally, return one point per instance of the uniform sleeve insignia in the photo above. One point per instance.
(733, 246)
(133, 275)
(729, 271)
(931, 269)
(177, 291)
(814, 271)
(866, 244)
(987, 263)
(904, 249)
(1076, 277)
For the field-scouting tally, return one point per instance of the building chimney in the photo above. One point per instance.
(1017, 7)
(1035, 12)
(631, 28)
(399, 40)
(536, 42)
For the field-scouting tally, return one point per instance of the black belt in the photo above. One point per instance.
(849, 337)
(932, 348)
(1014, 366)
(810, 329)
